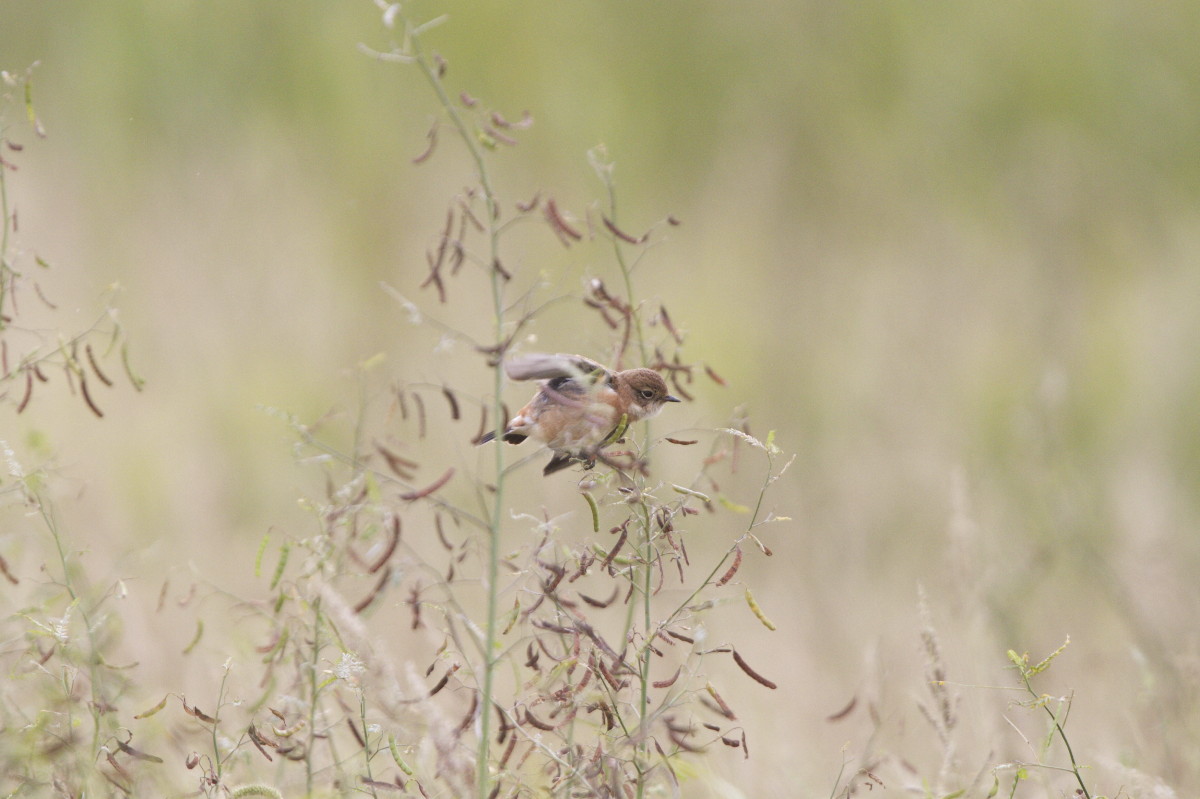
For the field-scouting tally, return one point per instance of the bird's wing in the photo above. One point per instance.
(541, 366)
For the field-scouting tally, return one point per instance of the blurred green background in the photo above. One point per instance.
(948, 250)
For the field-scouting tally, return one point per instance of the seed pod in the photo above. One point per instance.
(732, 570)
(754, 675)
(758, 612)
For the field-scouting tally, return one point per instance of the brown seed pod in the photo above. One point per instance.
(732, 570)
(561, 227)
(622, 235)
(430, 146)
(754, 675)
(432, 487)
(670, 682)
(91, 356)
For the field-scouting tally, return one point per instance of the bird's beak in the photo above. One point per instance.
(670, 398)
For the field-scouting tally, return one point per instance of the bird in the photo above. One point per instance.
(579, 405)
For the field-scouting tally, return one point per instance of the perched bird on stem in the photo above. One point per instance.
(580, 406)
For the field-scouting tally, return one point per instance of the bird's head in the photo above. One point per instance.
(643, 392)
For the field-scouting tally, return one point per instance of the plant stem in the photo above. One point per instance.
(1061, 734)
(721, 563)
(644, 666)
(5, 270)
(626, 270)
(645, 576)
(93, 653)
(314, 691)
(483, 777)
(217, 763)
(362, 718)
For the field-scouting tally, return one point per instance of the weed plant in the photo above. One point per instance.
(429, 634)
(560, 668)
(559, 671)
(58, 705)
(31, 357)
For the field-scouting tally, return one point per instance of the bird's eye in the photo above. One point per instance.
(647, 393)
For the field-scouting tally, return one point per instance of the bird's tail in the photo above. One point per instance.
(561, 460)
(510, 437)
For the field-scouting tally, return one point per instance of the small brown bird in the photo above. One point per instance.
(579, 405)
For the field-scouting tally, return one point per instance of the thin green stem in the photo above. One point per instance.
(314, 690)
(626, 271)
(63, 563)
(642, 574)
(644, 666)
(483, 775)
(838, 781)
(5, 269)
(1062, 735)
(362, 720)
(218, 763)
(4, 208)
(721, 563)
(645, 576)
(93, 653)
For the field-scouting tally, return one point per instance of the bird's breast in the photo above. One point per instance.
(574, 420)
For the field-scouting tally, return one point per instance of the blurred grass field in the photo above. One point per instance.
(948, 251)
